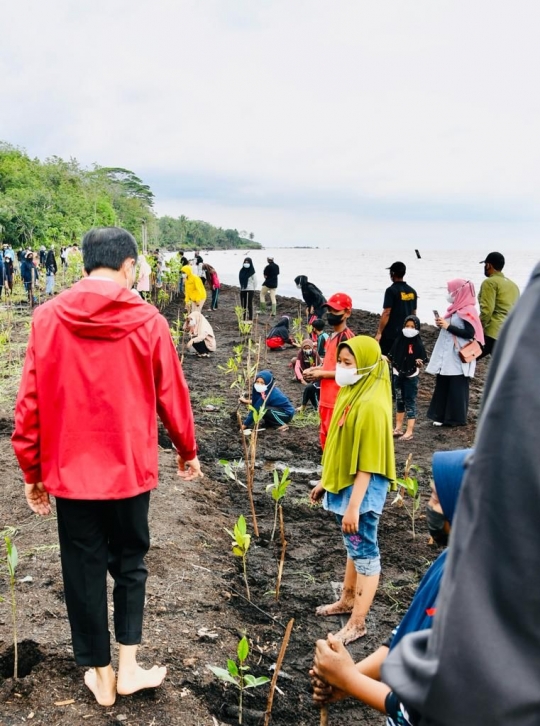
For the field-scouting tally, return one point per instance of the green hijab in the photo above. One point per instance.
(360, 436)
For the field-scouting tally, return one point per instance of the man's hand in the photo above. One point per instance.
(189, 470)
(378, 336)
(37, 498)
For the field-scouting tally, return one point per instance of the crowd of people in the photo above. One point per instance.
(34, 266)
(102, 490)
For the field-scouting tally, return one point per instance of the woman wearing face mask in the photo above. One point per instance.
(202, 341)
(460, 324)
(407, 356)
(358, 464)
(278, 409)
(248, 285)
(334, 675)
(313, 298)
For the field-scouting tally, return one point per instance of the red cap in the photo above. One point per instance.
(339, 301)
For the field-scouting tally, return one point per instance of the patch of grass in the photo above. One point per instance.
(213, 401)
(304, 419)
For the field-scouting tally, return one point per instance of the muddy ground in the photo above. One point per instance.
(195, 583)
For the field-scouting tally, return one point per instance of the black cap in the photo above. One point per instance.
(398, 269)
(495, 259)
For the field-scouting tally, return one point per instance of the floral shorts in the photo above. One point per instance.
(363, 547)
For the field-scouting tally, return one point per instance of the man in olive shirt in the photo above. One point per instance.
(496, 298)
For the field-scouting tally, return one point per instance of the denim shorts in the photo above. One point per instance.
(363, 547)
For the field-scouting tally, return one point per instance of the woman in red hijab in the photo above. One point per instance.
(460, 325)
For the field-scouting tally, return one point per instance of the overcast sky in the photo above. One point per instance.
(330, 123)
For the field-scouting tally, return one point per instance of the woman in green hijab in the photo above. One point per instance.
(358, 463)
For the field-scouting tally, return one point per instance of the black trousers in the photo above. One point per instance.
(246, 300)
(200, 347)
(96, 537)
(450, 400)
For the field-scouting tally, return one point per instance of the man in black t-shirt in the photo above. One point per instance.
(400, 300)
(271, 273)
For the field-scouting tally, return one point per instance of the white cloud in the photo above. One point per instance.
(389, 103)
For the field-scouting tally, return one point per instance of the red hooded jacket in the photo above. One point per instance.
(100, 363)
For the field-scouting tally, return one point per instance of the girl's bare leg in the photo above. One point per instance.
(366, 587)
(345, 603)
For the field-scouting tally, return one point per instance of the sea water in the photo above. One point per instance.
(362, 274)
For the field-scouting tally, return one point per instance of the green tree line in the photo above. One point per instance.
(57, 201)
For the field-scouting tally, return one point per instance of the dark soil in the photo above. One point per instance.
(195, 582)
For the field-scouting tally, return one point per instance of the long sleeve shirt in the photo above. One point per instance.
(496, 298)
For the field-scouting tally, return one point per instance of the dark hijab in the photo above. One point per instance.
(406, 351)
(480, 663)
(246, 273)
(313, 297)
(281, 329)
(448, 471)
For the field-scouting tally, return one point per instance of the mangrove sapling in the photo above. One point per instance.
(231, 469)
(277, 490)
(12, 560)
(241, 541)
(236, 673)
(408, 485)
(244, 326)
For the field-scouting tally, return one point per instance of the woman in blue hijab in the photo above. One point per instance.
(334, 674)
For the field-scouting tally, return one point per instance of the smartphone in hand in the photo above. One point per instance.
(436, 313)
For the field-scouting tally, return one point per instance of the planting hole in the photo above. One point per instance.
(29, 657)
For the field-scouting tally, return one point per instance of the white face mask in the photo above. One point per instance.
(410, 332)
(350, 376)
(260, 387)
(299, 287)
(450, 298)
(246, 265)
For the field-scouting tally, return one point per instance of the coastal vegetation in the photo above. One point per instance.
(56, 201)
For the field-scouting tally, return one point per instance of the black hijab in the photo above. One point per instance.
(281, 329)
(480, 663)
(246, 273)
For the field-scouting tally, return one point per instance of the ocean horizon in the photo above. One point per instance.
(362, 274)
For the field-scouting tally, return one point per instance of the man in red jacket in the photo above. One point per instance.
(100, 362)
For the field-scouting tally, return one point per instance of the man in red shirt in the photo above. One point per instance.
(100, 362)
(339, 311)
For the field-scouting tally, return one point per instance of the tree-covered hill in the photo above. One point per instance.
(57, 201)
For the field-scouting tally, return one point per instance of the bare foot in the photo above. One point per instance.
(139, 679)
(406, 437)
(335, 608)
(102, 684)
(351, 632)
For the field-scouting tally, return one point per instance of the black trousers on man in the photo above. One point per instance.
(96, 537)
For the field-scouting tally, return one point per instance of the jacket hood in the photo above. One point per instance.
(98, 308)
(186, 270)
